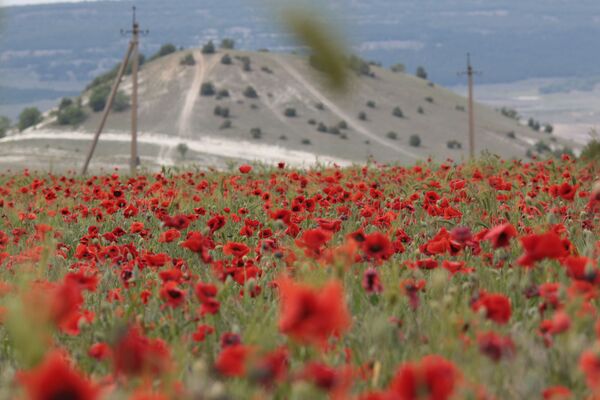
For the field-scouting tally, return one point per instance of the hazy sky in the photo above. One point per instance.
(22, 2)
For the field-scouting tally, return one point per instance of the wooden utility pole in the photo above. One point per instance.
(470, 72)
(131, 54)
(134, 161)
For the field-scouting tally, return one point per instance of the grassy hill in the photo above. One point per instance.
(206, 114)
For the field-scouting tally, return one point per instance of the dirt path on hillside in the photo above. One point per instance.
(352, 122)
(184, 126)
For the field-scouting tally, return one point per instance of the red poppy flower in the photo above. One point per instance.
(565, 191)
(377, 246)
(495, 346)
(54, 378)
(539, 247)
(99, 351)
(135, 354)
(556, 393)
(172, 294)
(411, 289)
(236, 249)
(179, 222)
(272, 367)
(244, 169)
(500, 235)
(335, 381)
(497, 306)
(205, 291)
(201, 332)
(433, 378)
(232, 360)
(169, 236)
(371, 282)
(589, 363)
(197, 243)
(311, 315)
(313, 241)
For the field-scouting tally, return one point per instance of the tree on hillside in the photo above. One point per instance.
(228, 44)
(421, 73)
(164, 50)
(4, 126)
(29, 117)
(250, 93)
(188, 59)
(110, 76)
(99, 97)
(359, 66)
(208, 48)
(398, 68)
(182, 149)
(72, 114)
(64, 103)
(121, 102)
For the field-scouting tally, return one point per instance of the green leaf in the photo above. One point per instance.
(327, 53)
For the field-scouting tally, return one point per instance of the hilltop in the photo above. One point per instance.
(234, 105)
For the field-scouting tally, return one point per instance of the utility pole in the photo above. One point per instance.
(470, 73)
(132, 51)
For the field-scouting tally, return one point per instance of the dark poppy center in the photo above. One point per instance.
(65, 394)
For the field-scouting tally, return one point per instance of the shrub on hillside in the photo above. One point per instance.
(222, 112)
(182, 149)
(398, 68)
(392, 135)
(4, 126)
(362, 116)
(121, 102)
(98, 97)
(421, 73)
(29, 117)
(209, 48)
(510, 113)
(591, 151)
(226, 60)
(256, 133)
(334, 130)
(165, 50)
(290, 112)
(371, 104)
(454, 144)
(359, 66)
(188, 60)
(397, 112)
(414, 141)
(64, 103)
(222, 93)
(250, 93)
(228, 44)
(207, 89)
(71, 115)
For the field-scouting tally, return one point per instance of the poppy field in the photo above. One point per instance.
(434, 281)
